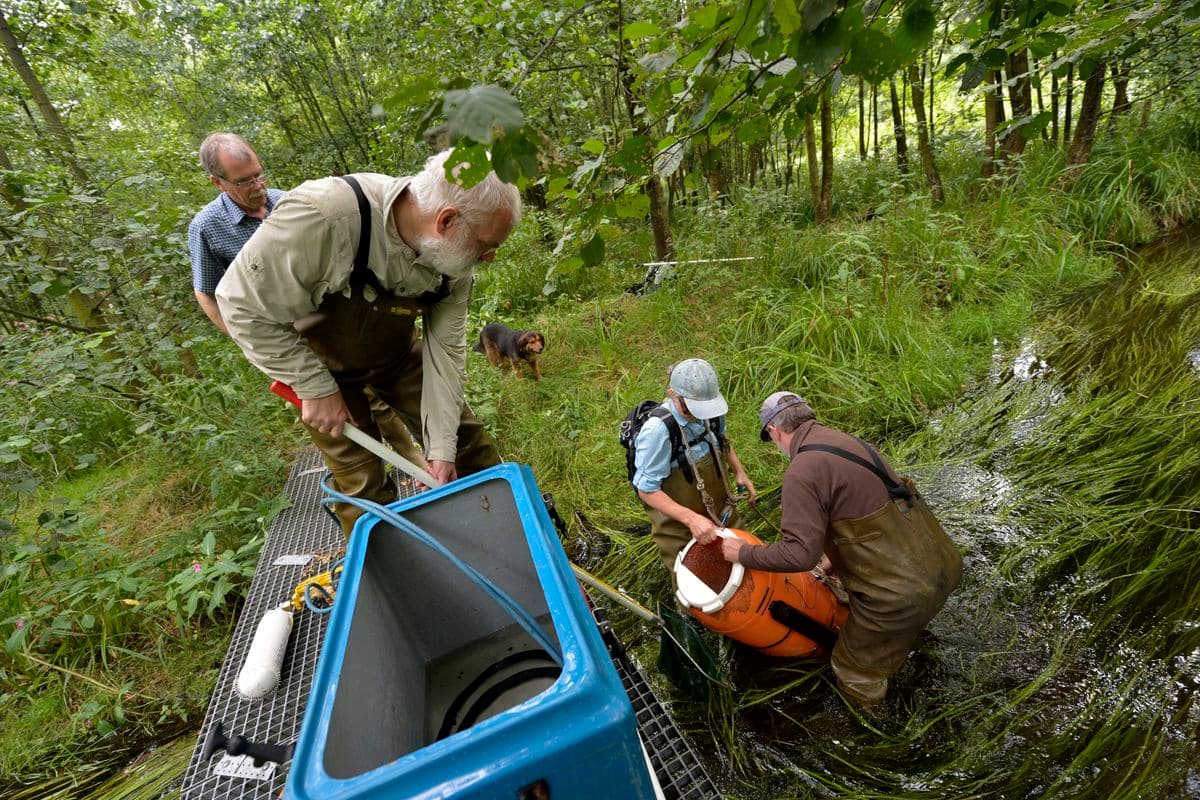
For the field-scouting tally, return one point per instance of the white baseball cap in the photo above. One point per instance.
(695, 381)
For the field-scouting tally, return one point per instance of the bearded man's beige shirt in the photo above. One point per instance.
(304, 251)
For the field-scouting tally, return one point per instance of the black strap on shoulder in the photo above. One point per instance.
(676, 435)
(436, 295)
(895, 490)
(361, 275)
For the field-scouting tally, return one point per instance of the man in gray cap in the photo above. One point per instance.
(842, 500)
(686, 490)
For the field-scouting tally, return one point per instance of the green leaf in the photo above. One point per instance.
(632, 206)
(515, 155)
(593, 146)
(1036, 124)
(592, 253)
(873, 55)
(995, 57)
(817, 52)
(754, 130)
(416, 92)
(640, 30)
(467, 166)
(705, 18)
(478, 112)
(973, 76)
(87, 622)
(958, 61)
(14, 641)
(208, 545)
(786, 16)
(814, 12)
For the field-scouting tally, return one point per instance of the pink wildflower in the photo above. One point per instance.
(196, 568)
(20, 624)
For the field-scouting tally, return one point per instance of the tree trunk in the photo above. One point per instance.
(787, 164)
(660, 224)
(875, 117)
(862, 120)
(1121, 104)
(54, 123)
(898, 129)
(814, 171)
(1089, 115)
(1041, 106)
(1070, 102)
(826, 207)
(1021, 101)
(929, 121)
(1054, 103)
(1145, 120)
(923, 144)
(660, 221)
(992, 109)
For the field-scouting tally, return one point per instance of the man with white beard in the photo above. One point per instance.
(325, 297)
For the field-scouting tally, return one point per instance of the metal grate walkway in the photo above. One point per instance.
(303, 541)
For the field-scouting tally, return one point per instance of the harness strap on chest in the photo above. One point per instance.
(361, 274)
(676, 436)
(895, 490)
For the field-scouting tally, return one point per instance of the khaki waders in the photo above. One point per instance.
(373, 343)
(898, 566)
(671, 535)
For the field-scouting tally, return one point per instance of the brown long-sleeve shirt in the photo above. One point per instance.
(818, 489)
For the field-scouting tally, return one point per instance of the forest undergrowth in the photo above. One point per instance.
(133, 525)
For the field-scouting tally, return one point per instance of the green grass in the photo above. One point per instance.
(1072, 494)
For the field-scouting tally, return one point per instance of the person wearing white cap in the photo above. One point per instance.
(843, 502)
(686, 491)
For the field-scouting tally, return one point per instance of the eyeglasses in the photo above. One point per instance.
(488, 248)
(246, 183)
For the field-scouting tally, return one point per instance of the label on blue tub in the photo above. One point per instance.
(243, 767)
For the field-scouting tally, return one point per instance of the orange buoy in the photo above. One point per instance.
(787, 614)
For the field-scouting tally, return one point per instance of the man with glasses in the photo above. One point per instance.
(326, 295)
(686, 494)
(222, 227)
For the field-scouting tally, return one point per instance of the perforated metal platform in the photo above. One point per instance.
(302, 541)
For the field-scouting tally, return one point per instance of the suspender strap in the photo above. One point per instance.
(434, 296)
(361, 275)
(896, 491)
(676, 437)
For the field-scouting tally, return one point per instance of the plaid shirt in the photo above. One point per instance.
(217, 234)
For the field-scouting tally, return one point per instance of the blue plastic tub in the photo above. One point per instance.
(426, 688)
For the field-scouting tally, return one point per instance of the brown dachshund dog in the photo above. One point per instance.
(500, 341)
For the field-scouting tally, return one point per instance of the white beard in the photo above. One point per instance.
(451, 258)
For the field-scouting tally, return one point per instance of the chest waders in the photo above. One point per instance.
(898, 566)
(708, 494)
(374, 343)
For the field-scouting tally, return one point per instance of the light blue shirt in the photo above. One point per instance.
(217, 234)
(652, 448)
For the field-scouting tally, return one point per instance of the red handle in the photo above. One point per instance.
(283, 390)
